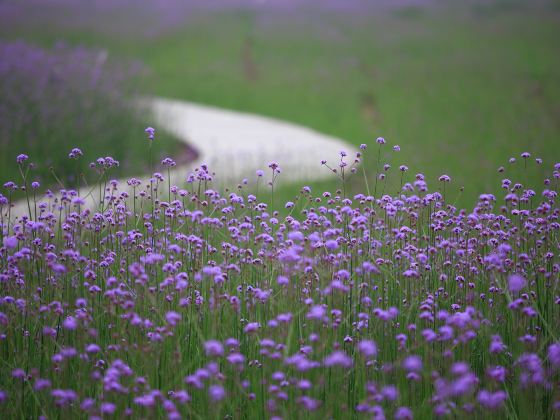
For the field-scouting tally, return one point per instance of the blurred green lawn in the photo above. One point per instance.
(459, 88)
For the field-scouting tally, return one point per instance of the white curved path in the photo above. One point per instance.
(235, 145)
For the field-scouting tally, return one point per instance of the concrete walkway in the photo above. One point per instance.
(236, 144)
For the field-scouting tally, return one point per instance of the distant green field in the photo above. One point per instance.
(461, 89)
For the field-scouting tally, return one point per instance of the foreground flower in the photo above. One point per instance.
(516, 283)
(338, 358)
(214, 348)
(216, 392)
(150, 131)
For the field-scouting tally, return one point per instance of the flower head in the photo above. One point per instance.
(21, 158)
(338, 358)
(368, 348)
(150, 131)
(214, 348)
(216, 392)
(516, 283)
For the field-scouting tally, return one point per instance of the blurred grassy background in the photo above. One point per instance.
(461, 86)
(54, 100)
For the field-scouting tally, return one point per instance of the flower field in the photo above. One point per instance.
(181, 301)
(55, 98)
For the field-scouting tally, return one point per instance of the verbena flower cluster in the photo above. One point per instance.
(181, 301)
(62, 96)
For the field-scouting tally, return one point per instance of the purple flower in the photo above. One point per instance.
(412, 363)
(309, 403)
(274, 166)
(317, 312)
(150, 132)
(168, 162)
(10, 242)
(182, 396)
(368, 348)
(70, 323)
(232, 342)
(93, 348)
(380, 140)
(490, 400)
(283, 280)
(75, 153)
(496, 345)
(64, 397)
(108, 408)
(10, 185)
(304, 384)
(460, 368)
(278, 376)
(554, 355)
(251, 327)
(172, 318)
(216, 392)
(214, 348)
(497, 373)
(390, 392)
(145, 400)
(338, 358)
(236, 358)
(463, 385)
(296, 236)
(516, 283)
(41, 384)
(403, 413)
(21, 158)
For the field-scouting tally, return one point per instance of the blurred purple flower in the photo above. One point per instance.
(516, 283)
(216, 392)
(490, 400)
(150, 131)
(368, 348)
(338, 358)
(214, 348)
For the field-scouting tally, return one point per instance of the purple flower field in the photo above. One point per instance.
(181, 301)
(55, 98)
(153, 18)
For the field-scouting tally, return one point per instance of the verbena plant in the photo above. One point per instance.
(182, 301)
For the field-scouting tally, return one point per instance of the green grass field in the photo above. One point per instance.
(461, 89)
